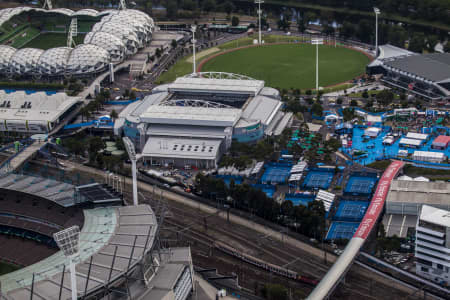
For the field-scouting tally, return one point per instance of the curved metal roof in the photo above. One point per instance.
(25, 61)
(87, 58)
(54, 61)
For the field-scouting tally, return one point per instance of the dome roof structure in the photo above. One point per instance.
(115, 47)
(85, 12)
(86, 59)
(6, 52)
(124, 32)
(25, 61)
(54, 61)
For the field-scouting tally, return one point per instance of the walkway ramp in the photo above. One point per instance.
(17, 160)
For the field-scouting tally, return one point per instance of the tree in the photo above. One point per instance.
(365, 95)
(339, 101)
(228, 7)
(174, 44)
(114, 115)
(317, 109)
(417, 43)
(158, 52)
(171, 9)
(385, 97)
(275, 292)
(353, 103)
(234, 21)
(209, 5)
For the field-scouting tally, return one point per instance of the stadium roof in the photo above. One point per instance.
(183, 115)
(228, 86)
(104, 230)
(435, 215)
(433, 192)
(261, 108)
(434, 67)
(36, 107)
(186, 131)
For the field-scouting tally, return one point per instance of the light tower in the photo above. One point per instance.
(259, 19)
(317, 42)
(122, 4)
(73, 32)
(193, 29)
(48, 4)
(68, 240)
(377, 12)
(134, 158)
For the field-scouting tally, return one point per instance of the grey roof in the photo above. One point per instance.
(104, 230)
(229, 86)
(434, 192)
(434, 67)
(261, 108)
(186, 131)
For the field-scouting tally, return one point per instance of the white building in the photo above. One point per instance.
(192, 121)
(34, 113)
(435, 157)
(372, 132)
(433, 244)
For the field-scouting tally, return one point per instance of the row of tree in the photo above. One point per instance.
(309, 221)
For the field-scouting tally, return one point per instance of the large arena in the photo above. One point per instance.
(193, 120)
(33, 41)
(116, 250)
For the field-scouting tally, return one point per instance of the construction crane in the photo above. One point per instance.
(73, 32)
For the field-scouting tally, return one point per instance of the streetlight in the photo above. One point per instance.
(377, 12)
(68, 240)
(317, 42)
(259, 18)
(193, 29)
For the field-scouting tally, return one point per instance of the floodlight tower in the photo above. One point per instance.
(193, 29)
(122, 4)
(48, 4)
(68, 240)
(259, 19)
(317, 42)
(73, 32)
(377, 12)
(134, 158)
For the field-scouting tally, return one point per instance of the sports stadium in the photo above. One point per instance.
(34, 42)
(193, 120)
(117, 250)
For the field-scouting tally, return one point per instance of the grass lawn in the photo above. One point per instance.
(22, 37)
(51, 40)
(292, 65)
(7, 268)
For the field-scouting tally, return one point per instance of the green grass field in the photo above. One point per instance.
(23, 36)
(7, 268)
(51, 40)
(292, 65)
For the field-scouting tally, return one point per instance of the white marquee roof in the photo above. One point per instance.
(229, 86)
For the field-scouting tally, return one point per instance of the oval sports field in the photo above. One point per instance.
(290, 65)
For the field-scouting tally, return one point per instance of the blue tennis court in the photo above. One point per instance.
(352, 211)
(358, 185)
(268, 189)
(276, 173)
(341, 230)
(318, 179)
(300, 199)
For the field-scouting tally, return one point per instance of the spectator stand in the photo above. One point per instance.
(361, 184)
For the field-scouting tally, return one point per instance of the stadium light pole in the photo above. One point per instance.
(259, 19)
(129, 146)
(68, 240)
(377, 12)
(193, 29)
(317, 42)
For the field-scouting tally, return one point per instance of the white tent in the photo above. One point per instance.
(405, 178)
(436, 157)
(421, 178)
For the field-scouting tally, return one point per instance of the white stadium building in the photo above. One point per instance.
(118, 34)
(193, 120)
